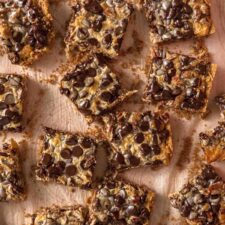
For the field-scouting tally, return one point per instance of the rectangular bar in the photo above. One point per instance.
(68, 215)
(202, 199)
(26, 29)
(12, 183)
(177, 19)
(93, 87)
(97, 26)
(139, 139)
(69, 159)
(116, 202)
(179, 82)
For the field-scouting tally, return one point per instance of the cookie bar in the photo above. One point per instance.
(179, 82)
(93, 87)
(202, 200)
(25, 29)
(69, 159)
(12, 184)
(116, 202)
(12, 90)
(220, 101)
(139, 139)
(69, 215)
(171, 20)
(97, 26)
(213, 143)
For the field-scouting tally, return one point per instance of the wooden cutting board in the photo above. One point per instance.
(46, 106)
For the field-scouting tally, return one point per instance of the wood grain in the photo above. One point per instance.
(45, 106)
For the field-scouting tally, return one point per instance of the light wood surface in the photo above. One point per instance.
(46, 106)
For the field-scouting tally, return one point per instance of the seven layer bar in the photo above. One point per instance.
(26, 29)
(179, 82)
(139, 139)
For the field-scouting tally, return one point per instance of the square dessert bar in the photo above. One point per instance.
(68, 215)
(179, 82)
(25, 29)
(97, 26)
(213, 143)
(116, 202)
(139, 139)
(12, 184)
(69, 159)
(12, 91)
(202, 200)
(93, 87)
(171, 20)
(220, 101)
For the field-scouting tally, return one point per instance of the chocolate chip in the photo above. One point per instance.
(47, 160)
(194, 82)
(94, 7)
(61, 165)
(3, 106)
(2, 89)
(77, 151)
(134, 161)
(65, 91)
(164, 135)
(202, 69)
(72, 140)
(131, 210)
(126, 129)
(70, 170)
(91, 72)
(107, 40)
(86, 142)
(78, 83)
(144, 125)
(14, 57)
(106, 81)
(4, 121)
(155, 149)
(185, 210)
(82, 33)
(111, 185)
(119, 158)
(54, 172)
(84, 104)
(106, 96)
(167, 63)
(139, 138)
(14, 116)
(9, 99)
(145, 213)
(119, 30)
(208, 173)
(50, 131)
(93, 41)
(65, 153)
(146, 149)
(97, 25)
(119, 200)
